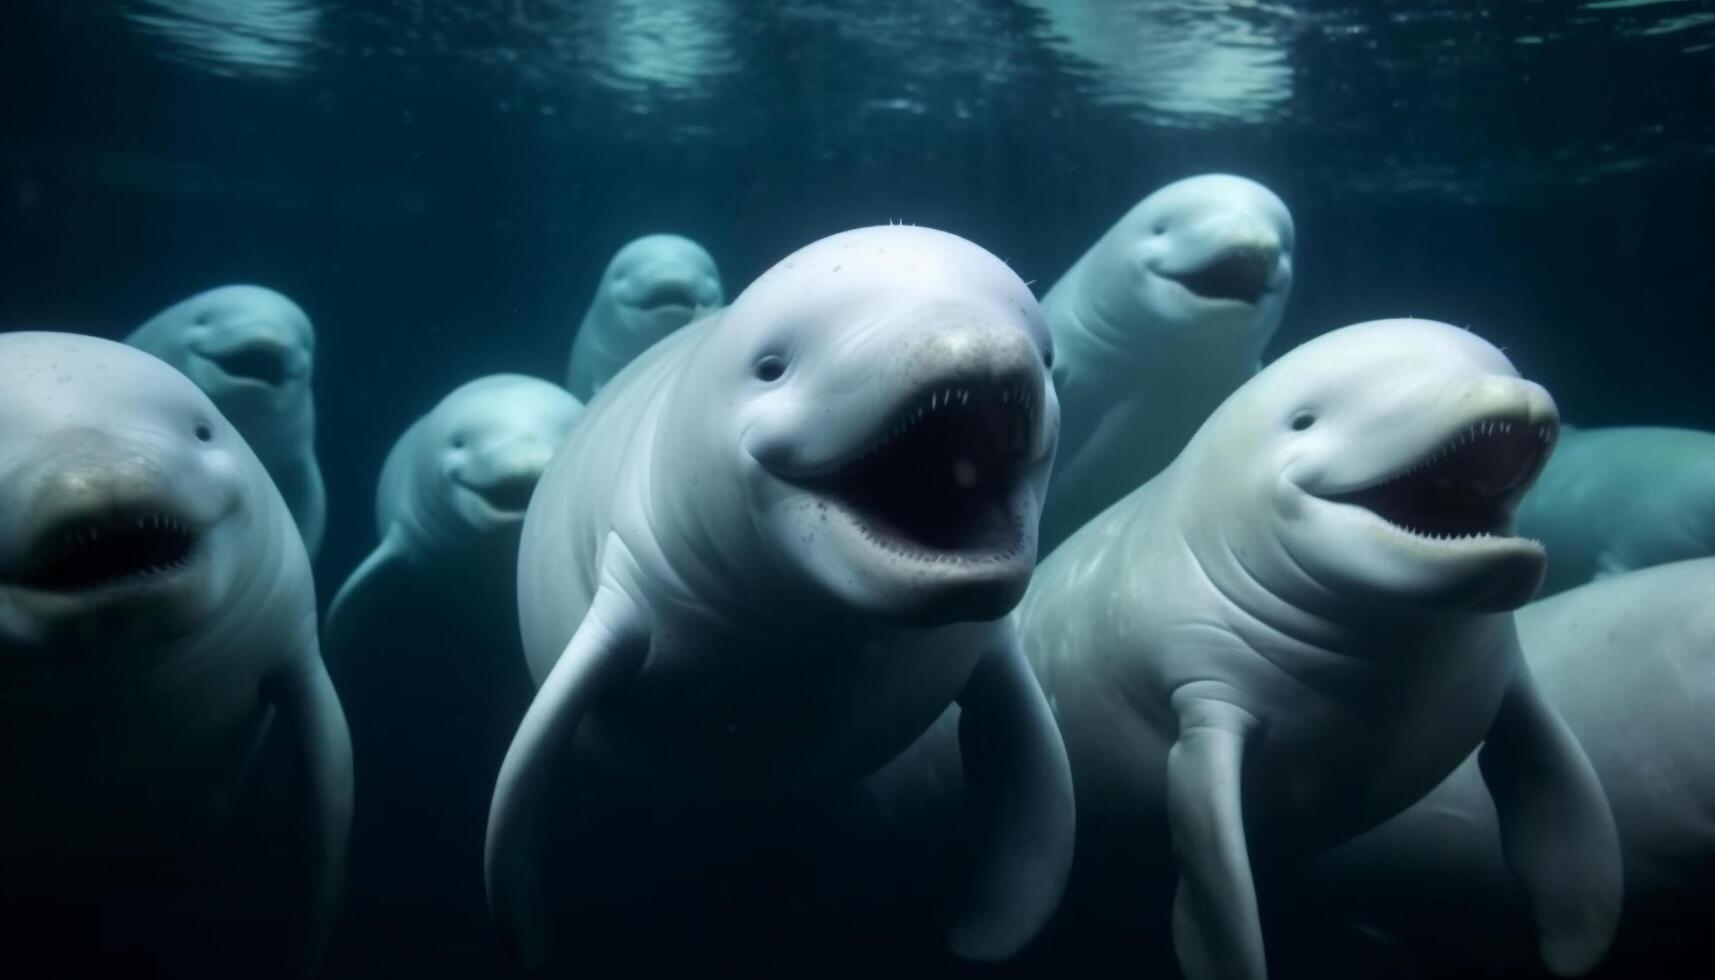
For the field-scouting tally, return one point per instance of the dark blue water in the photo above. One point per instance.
(439, 184)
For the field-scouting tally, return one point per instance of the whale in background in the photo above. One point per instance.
(652, 287)
(1619, 499)
(1163, 318)
(252, 351)
(175, 764)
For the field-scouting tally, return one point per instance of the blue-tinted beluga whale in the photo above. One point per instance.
(1164, 316)
(160, 675)
(1301, 626)
(455, 486)
(652, 287)
(776, 547)
(1629, 662)
(252, 350)
(423, 643)
(1617, 499)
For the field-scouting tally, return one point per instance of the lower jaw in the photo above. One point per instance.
(996, 551)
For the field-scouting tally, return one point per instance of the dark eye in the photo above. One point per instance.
(204, 433)
(458, 442)
(203, 318)
(1048, 357)
(1160, 228)
(770, 368)
(1302, 421)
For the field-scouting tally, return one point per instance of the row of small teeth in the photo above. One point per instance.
(1018, 394)
(1475, 432)
(934, 556)
(1463, 536)
(90, 533)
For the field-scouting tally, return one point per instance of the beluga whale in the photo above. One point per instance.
(175, 770)
(1627, 661)
(1300, 627)
(1164, 316)
(652, 287)
(775, 548)
(1613, 500)
(252, 351)
(437, 602)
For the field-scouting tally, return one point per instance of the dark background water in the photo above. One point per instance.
(439, 185)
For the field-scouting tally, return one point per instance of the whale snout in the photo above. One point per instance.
(270, 358)
(666, 287)
(964, 346)
(1234, 258)
(92, 470)
(506, 477)
(98, 511)
(1524, 401)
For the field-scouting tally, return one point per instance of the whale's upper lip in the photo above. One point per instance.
(667, 294)
(1242, 273)
(1465, 484)
(259, 361)
(118, 547)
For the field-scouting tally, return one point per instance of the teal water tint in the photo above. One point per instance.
(439, 184)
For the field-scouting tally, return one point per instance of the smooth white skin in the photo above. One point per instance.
(1139, 360)
(278, 421)
(1615, 500)
(129, 709)
(623, 322)
(787, 653)
(1358, 663)
(430, 504)
(1629, 661)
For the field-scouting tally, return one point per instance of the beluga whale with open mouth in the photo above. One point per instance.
(652, 287)
(171, 749)
(774, 550)
(1300, 627)
(1159, 321)
(251, 350)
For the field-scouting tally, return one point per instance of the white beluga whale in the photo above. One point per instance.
(251, 350)
(1617, 499)
(1159, 321)
(161, 678)
(1629, 662)
(423, 643)
(1301, 626)
(773, 551)
(652, 287)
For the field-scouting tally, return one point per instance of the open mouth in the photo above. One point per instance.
(1240, 274)
(259, 363)
(941, 480)
(511, 495)
(665, 295)
(1465, 488)
(117, 548)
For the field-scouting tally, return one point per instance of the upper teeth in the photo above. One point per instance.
(1019, 394)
